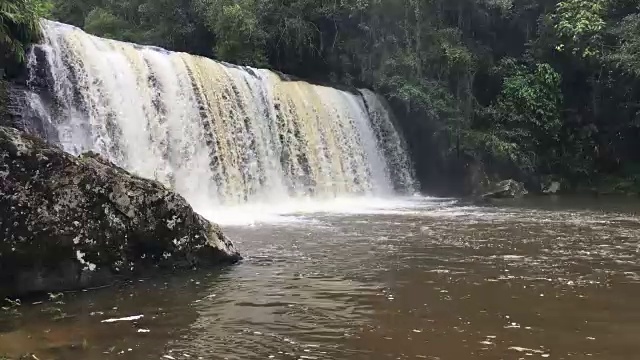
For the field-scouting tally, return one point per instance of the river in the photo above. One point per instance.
(417, 278)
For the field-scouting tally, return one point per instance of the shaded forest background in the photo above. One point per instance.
(537, 90)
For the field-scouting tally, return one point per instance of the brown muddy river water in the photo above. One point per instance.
(409, 279)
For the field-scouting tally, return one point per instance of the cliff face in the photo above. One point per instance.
(20, 85)
(70, 222)
(20, 115)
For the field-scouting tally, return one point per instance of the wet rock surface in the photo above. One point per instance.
(73, 222)
(507, 189)
(552, 188)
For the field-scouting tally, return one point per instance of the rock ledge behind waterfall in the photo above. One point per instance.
(72, 222)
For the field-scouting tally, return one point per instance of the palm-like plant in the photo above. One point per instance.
(20, 25)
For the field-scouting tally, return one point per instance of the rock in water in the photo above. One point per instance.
(506, 189)
(72, 222)
(552, 188)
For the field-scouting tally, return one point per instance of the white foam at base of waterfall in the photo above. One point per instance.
(302, 211)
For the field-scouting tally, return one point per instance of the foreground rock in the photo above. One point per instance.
(507, 189)
(72, 222)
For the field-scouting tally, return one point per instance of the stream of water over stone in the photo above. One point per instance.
(219, 134)
(411, 278)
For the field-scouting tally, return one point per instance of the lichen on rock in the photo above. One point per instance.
(70, 222)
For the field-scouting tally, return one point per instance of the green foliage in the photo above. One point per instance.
(532, 97)
(102, 22)
(242, 36)
(580, 25)
(20, 25)
(172, 24)
(627, 56)
(526, 116)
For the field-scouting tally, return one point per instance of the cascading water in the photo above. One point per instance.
(218, 134)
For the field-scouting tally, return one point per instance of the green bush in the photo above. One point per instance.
(20, 25)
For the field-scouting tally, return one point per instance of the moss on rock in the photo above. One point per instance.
(70, 222)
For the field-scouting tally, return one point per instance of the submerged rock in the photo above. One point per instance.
(72, 222)
(506, 189)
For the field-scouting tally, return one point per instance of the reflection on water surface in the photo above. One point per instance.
(413, 279)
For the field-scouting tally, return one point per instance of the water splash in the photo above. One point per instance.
(218, 134)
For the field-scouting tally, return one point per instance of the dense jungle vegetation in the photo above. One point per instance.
(532, 89)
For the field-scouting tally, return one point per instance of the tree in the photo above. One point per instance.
(239, 28)
(20, 25)
(580, 25)
(627, 56)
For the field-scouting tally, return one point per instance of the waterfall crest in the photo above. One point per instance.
(216, 133)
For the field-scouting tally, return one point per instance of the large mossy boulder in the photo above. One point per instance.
(71, 222)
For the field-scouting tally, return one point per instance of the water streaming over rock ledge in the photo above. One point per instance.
(217, 133)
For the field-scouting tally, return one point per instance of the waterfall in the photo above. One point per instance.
(218, 134)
